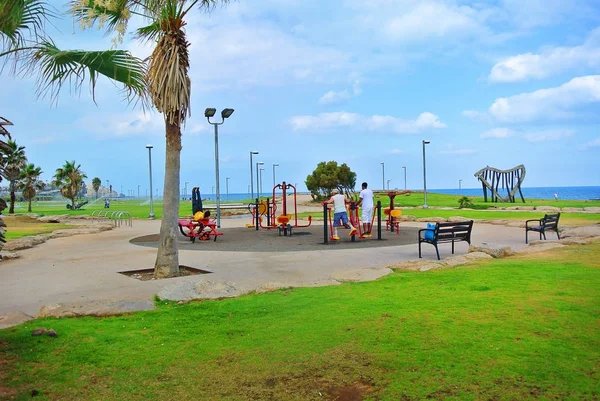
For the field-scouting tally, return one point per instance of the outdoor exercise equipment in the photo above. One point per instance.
(392, 222)
(268, 209)
(353, 210)
(509, 180)
(200, 226)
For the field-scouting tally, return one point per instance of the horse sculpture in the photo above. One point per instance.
(491, 178)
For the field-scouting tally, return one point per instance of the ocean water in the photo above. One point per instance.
(568, 193)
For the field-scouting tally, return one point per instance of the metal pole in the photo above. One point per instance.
(459, 184)
(151, 215)
(218, 195)
(325, 223)
(185, 190)
(274, 165)
(138, 191)
(383, 176)
(388, 184)
(378, 219)
(227, 185)
(261, 188)
(251, 176)
(404, 167)
(424, 178)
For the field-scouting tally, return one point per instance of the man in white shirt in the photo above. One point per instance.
(339, 213)
(366, 200)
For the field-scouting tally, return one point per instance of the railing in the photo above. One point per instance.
(118, 217)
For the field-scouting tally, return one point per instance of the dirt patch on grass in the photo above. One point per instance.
(148, 274)
(21, 226)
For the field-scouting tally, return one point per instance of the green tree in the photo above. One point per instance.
(464, 202)
(96, 183)
(327, 176)
(166, 81)
(69, 179)
(29, 182)
(13, 161)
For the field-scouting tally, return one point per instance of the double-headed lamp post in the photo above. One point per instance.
(226, 113)
(258, 179)
(383, 175)
(149, 147)
(424, 177)
(404, 167)
(251, 176)
(274, 165)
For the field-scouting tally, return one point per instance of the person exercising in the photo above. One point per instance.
(366, 199)
(339, 213)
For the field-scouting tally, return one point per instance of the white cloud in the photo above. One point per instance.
(548, 135)
(498, 133)
(553, 103)
(595, 143)
(342, 119)
(109, 125)
(341, 96)
(549, 62)
(418, 24)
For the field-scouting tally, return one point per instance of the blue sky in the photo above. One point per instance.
(497, 83)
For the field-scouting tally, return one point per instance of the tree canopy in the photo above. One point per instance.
(327, 176)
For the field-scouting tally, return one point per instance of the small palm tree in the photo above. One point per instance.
(4, 148)
(29, 182)
(464, 202)
(13, 161)
(69, 179)
(96, 183)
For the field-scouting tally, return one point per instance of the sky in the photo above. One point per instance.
(489, 83)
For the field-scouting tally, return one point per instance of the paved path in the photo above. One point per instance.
(85, 267)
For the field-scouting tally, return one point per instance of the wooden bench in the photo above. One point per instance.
(447, 232)
(548, 223)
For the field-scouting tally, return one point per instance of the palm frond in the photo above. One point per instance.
(57, 67)
(20, 19)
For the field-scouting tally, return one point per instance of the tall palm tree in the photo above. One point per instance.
(13, 161)
(96, 183)
(167, 80)
(29, 182)
(69, 179)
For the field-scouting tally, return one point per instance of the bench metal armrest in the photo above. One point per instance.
(539, 221)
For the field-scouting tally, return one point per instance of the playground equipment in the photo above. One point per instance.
(392, 222)
(268, 209)
(353, 210)
(201, 226)
(77, 205)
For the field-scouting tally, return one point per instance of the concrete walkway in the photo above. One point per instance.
(85, 268)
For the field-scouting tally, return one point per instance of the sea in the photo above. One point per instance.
(565, 193)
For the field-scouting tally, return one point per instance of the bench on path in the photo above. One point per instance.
(446, 232)
(548, 223)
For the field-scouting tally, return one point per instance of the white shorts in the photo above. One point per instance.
(367, 215)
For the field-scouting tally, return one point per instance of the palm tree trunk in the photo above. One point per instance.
(167, 259)
(11, 210)
(29, 208)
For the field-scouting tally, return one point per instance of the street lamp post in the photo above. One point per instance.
(274, 165)
(251, 176)
(459, 184)
(185, 190)
(226, 113)
(149, 147)
(383, 175)
(138, 191)
(424, 177)
(227, 187)
(404, 167)
(258, 191)
(261, 170)
(108, 187)
(388, 184)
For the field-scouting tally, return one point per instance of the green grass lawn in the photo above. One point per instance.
(506, 329)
